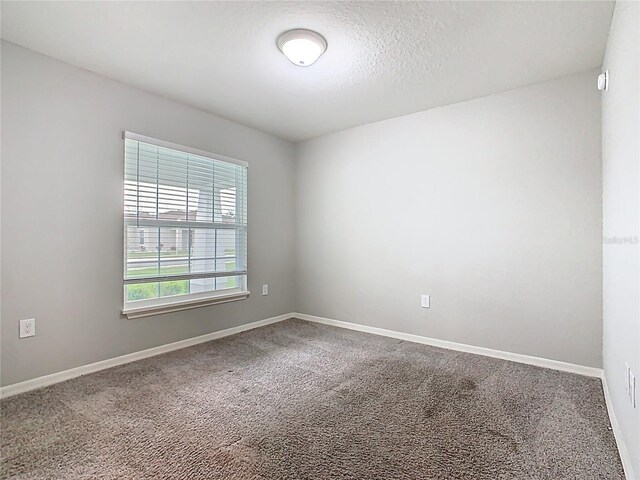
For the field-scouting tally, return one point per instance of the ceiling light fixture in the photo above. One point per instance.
(302, 47)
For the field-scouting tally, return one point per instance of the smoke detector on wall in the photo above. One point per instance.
(303, 47)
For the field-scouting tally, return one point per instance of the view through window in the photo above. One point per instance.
(185, 223)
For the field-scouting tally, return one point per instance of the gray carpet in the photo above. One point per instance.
(298, 400)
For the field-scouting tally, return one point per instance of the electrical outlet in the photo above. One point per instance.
(27, 328)
(632, 389)
(265, 289)
(627, 373)
(426, 301)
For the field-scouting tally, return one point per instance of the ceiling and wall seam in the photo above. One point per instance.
(384, 59)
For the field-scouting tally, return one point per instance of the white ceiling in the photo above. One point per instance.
(384, 59)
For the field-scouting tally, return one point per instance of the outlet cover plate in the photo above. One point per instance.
(627, 376)
(27, 328)
(425, 301)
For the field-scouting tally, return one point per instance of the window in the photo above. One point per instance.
(185, 227)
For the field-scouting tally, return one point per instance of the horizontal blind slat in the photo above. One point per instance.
(166, 278)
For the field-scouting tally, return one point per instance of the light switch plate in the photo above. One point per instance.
(265, 289)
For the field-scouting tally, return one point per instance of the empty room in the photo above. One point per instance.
(320, 240)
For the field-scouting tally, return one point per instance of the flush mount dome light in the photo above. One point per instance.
(302, 47)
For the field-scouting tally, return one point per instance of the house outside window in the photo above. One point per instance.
(185, 224)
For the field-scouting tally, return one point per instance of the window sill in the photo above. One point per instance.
(176, 306)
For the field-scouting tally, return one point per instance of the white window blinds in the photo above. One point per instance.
(185, 221)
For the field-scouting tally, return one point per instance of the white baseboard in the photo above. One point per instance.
(47, 380)
(39, 382)
(460, 347)
(622, 447)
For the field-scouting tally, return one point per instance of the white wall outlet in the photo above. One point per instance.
(632, 389)
(627, 373)
(27, 328)
(265, 289)
(426, 301)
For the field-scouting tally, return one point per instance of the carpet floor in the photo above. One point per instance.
(298, 400)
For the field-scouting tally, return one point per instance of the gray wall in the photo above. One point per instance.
(491, 206)
(62, 195)
(621, 215)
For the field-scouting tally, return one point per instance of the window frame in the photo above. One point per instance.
(160, 305)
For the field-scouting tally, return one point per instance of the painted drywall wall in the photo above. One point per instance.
(62, 195)
(621, 216)
(491, 206)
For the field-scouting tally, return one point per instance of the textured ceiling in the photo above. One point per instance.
(384, 59)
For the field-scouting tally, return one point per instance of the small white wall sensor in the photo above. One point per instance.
(603, 81)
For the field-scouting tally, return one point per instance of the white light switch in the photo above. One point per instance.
(265, 289)
(426, 301)
(27, 328)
